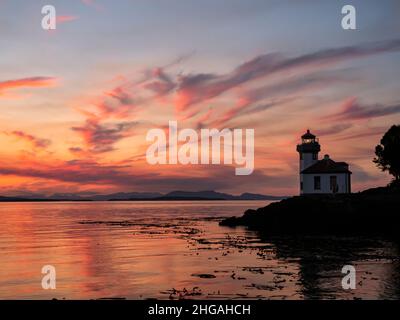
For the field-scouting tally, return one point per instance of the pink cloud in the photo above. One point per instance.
(200, 87)
(66, 18)
(351, 109)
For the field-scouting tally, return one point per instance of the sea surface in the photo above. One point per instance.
(177, 250)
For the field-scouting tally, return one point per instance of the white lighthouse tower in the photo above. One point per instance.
(308, 150)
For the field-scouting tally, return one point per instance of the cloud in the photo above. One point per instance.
(112, 117)
(101, 138)
(245, 107)
(66, 18)
(69, 171)
(335, 129)
(32, 82)
(98, 133)
(78, 151)
(125, 178)
(34, 141)
(162, 83)
(368, 132)
(93, 3)
(117, 103)
(352, 110)
(120, 103)
(196, 88)
(250, 101)
(187, 90)
(302, 83)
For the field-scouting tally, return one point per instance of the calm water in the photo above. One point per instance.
(171, 250)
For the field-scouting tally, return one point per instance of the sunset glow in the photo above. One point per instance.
(76, 103)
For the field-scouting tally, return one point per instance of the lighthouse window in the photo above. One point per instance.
(314, 156)
(317, 183)
(301, 156)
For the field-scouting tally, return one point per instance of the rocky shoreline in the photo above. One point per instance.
(374, 211)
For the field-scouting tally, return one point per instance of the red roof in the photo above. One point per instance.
(328, 166)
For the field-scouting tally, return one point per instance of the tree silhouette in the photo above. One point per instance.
(388, 152)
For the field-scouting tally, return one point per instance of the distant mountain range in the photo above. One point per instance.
(213, 195)
(141, 196)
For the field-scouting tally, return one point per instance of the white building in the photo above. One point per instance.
(321, 176)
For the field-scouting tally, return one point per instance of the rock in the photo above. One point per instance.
(204, 275)
(367, 212)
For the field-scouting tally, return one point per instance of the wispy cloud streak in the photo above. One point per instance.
(34, 141)
(353, 110)
(32, 82)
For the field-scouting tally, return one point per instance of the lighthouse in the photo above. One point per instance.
(320, 176)
(308, 150)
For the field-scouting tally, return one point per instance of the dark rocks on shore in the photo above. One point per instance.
(374, 211)
(204, 275)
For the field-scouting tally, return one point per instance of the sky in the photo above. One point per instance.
(77, 102)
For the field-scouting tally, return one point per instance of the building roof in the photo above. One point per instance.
(327, 165)
(308, 135)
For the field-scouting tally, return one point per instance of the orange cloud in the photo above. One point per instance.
(32, 82)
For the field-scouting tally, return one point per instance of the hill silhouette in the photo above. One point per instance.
(140, 196)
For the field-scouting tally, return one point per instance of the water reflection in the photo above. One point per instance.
(172, 250)
(321, 259)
